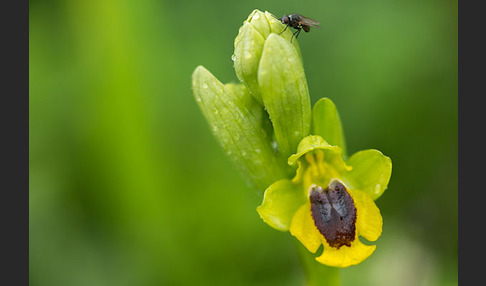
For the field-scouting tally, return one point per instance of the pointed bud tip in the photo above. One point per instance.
(198, 70)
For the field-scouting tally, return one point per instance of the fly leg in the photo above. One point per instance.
(296, 34)
(284, 29)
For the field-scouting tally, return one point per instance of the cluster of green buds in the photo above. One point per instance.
(294, 152)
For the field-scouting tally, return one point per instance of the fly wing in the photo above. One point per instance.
(309, 22)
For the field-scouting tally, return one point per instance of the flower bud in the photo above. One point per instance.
(270, 66)
(249, 47)
(284, 91)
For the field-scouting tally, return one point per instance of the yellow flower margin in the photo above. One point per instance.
(286, 205)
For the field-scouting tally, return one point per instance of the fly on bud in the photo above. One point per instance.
(299, 23)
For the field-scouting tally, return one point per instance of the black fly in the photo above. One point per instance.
(299, 23)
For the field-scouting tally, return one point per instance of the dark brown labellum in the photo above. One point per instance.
(334, 213)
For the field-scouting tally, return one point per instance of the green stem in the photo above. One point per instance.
(317, 274)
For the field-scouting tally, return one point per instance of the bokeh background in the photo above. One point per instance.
(129, 187)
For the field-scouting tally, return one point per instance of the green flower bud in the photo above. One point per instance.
(284, 91)
(270, 66)
(241, 126)
(249, 47)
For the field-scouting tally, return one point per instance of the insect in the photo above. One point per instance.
(299, 23)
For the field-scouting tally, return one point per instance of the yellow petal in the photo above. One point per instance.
(346, 255)
(369, 222)
(304, 229)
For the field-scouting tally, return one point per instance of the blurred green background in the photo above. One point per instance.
(129, 187)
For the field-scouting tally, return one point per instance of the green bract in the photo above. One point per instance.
(238, 123)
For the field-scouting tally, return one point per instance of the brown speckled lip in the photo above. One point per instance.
(334, 213)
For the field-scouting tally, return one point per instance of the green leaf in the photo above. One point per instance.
(235, 119)
(281, 200)
(327, 123)
(284, 91)
(370, 173)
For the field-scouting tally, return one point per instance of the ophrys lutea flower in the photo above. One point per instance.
(322, 198)
(330, 201)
